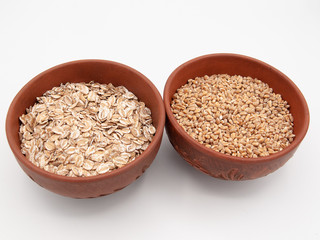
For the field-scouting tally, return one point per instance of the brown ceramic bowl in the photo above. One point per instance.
(221, 165)
(101, 71)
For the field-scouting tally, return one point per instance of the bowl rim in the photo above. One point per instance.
(212, 153)
(23, 159)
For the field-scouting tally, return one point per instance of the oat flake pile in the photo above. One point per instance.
(85, 129)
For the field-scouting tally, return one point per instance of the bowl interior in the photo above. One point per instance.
(101, 71)
(234, 64)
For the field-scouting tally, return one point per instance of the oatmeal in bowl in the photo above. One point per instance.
(86, 128)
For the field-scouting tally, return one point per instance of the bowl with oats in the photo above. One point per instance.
(86, 128)
(234, 117)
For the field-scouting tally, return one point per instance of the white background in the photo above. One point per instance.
(171, 200)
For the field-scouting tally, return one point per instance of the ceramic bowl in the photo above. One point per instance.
(101, 71)
(221, 165)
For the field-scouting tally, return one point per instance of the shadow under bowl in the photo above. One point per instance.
(221, 165)
(101, 71)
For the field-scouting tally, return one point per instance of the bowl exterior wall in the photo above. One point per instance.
(218, 167)
(92, 189)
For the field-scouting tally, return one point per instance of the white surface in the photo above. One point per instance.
(171, 200)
